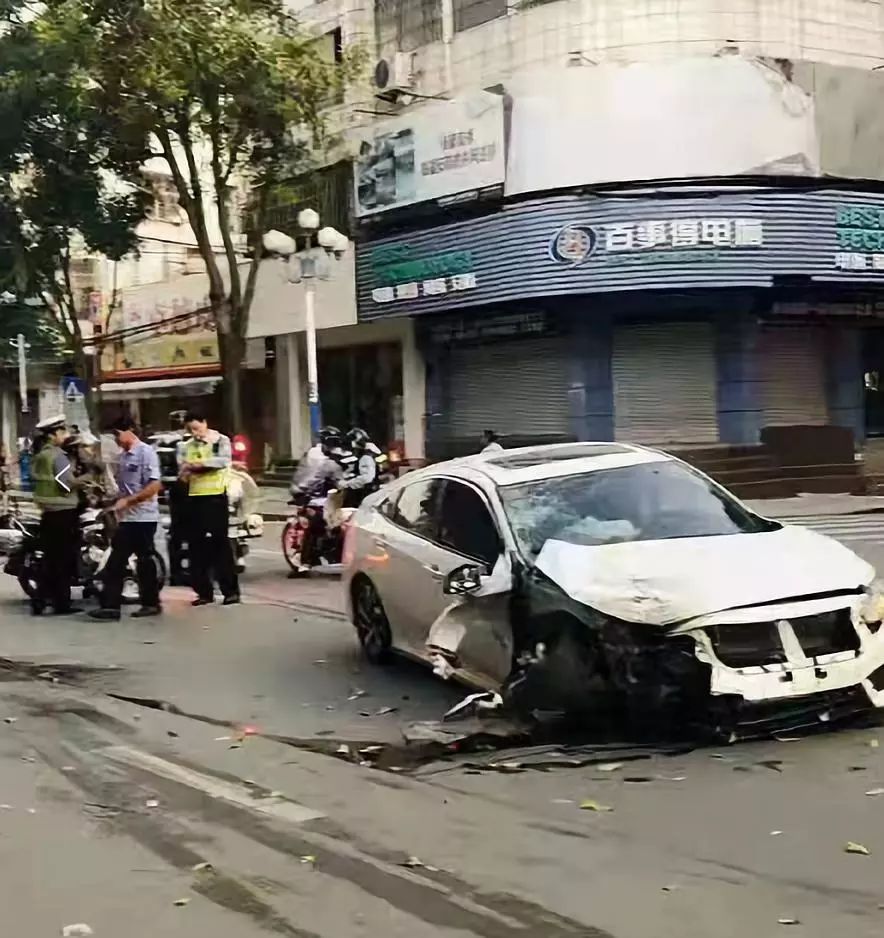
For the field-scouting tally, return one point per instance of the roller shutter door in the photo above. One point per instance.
(517, 388)
(793, 376)
(665, 388)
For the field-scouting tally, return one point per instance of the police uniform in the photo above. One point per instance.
(57, 499)
(209, 548)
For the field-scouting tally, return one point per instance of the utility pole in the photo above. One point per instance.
(22, 347)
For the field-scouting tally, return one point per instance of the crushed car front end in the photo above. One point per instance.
(789, 650)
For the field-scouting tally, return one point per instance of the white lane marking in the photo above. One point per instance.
(267, 553)
(240, 795)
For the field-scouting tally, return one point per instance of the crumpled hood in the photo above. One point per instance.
(664, 582)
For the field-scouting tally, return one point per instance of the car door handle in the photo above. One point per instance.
(434, 571)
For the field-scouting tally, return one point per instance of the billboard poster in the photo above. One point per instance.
(442, 150)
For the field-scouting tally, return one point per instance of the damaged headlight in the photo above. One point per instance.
(872, 609)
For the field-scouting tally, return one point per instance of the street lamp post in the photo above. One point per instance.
(307, 266)
(21, 346)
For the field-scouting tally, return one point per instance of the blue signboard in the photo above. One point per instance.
(581, 244)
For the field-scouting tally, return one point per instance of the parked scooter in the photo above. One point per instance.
(96, 531)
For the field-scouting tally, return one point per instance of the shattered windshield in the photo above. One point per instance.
(648, 502)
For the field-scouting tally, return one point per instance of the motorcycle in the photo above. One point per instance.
(245, 522)
(96, 531)
(322, 518)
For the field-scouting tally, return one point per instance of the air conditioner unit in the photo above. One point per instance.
(395, 74)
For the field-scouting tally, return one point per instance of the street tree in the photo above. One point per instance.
(233, 94)
(63, 165)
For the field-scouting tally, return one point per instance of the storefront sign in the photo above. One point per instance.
(440, 150)
(405, 275)
(481, 328)
(162, 330)
(860, 233)
(578, 244)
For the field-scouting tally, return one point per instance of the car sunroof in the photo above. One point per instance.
(540, 458)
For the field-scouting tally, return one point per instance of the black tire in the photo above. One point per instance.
(130, 583)
(27, 580)
(371, 623)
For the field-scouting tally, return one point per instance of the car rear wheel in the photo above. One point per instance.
(372, 625)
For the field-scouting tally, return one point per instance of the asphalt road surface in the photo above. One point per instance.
(202, 775)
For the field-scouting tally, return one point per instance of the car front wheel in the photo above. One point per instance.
(372, 625)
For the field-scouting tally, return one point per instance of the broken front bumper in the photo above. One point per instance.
(791, 650)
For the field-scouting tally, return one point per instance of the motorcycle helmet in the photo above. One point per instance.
(358, 440)
(330, 438)
(255, 525)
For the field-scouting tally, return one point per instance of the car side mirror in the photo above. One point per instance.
(463, 581)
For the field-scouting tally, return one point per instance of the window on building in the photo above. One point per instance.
(469, 13)
(330, 48)
(408, 24)
(166, 205)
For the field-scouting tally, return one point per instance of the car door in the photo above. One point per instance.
(409, 579)
(473, 629)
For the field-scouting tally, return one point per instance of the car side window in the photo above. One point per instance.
(466, 525)
(417, 508)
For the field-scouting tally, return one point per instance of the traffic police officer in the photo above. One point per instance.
(55, 494)
(203, 464)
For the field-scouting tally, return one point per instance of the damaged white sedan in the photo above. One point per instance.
(582, 576)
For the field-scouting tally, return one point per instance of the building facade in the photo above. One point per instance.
(667, 229)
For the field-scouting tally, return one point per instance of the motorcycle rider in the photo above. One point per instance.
(319, 470)
(367, 477)
(317, 474)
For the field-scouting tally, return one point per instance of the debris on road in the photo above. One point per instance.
(590, 805)
(10, 720)
(151, 803)
(343, 750)
(202, 868)
(860, 849)
(788, 921)
(309, 860)
(873, 744)
(414, 862)
(473, 704)
(609, 767)
(874, 792)
(80, 930)
(182, 902)
(385, 710)
(775, 833)
(356, 693)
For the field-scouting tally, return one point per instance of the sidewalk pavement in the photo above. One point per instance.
(814, 503)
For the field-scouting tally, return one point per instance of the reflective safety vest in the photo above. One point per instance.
(49, 494)
(210, 482)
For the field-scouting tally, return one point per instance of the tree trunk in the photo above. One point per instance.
(232, 349)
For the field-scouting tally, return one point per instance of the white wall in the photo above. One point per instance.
(839, 32)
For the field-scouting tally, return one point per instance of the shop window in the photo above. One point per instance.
(417, 508)
(361, 386)
(466, 526)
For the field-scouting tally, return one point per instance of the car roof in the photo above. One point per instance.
(533, 463)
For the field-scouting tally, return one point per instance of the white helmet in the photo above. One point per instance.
(255, 525)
